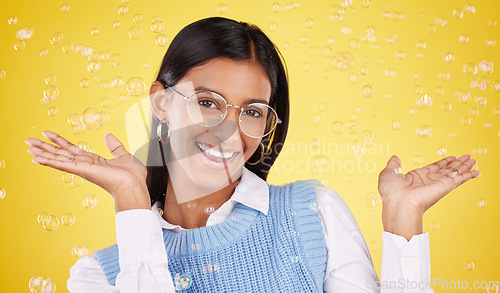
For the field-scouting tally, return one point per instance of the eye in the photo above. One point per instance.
(253, 113)
(207, 103)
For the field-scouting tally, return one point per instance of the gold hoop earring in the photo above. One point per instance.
(261, 156)
(158, 132)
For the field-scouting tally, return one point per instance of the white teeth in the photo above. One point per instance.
(213, 152)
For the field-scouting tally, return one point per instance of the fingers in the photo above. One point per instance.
(115, 146)
(393, 165)
(62, 142)
(39, 146)
(436, 166)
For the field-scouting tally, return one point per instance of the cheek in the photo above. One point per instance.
(251, 146)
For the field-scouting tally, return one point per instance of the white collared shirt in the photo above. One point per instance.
(144, 266)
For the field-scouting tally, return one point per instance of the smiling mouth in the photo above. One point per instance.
(214, 155)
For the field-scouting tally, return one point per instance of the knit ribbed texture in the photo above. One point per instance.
(284, 251)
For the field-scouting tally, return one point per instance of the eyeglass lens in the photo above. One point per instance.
(209, 109)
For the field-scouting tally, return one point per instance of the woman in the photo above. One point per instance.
(223, 228)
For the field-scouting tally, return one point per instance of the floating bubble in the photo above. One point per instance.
(442, 151)
(210, 268)
(117, 24)
(486, 66)
(50, 222)
(448, 57)
(123, 9)
(161, 40)
(94, 66)
(316, 117)
(466, 120)
(495, 86)
(366, 3)
(481, 100)
(458, 13)
(2, 193)
(116, 59)
(417, 159)
(346, 30)
(421, 44)
(92, 118)
(181, 281)
(53, 111)
(138, 18)
(468, 266)
(349, 179)
(68, 219)
(67, 177)
(354, 44)
(117, 82)
(276, 7)
(136, 86)
(309, 23)
(12, 20)
(157, 26)
(306, 66)
(353, 136)
(135, 33)
(80, 251)
(56, 39)
(25, 33)
(2, 74)
(337, 127)
(195, 246)
(396, 124)
(319, 165)
(322, 106)
(51, 92)
(65, 8)
(304, 39)
(373, 199)
(446, 106)
(424, 101)
(353, 77)
(105, 102)
(209, 210)
(342, 61)
(105, 84)
(373, 246)
(482, 203)
(424, 131)
(490, 42)
(470, 69)
(470, 8)
(367, 136)
(367, 91)
(221, 8)
(19, 45)
(463, 38)
(2, 164)
(40, 284)
(94, 32)
(44, 53)
(122, 98)
(90, 201)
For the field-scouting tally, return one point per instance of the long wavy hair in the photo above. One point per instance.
(196, 44)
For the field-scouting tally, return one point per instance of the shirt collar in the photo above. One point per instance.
(252, 191)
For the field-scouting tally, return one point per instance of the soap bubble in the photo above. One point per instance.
(117, 24)
(448, 57)
(322, 106)
(424, 101)
(424, 131)
(309, 23)
(80, 251)
(51, 92)
(495, 86)
(482, 203)
(486, 66)
(2, 164)
(2, 74)
(65, 8)
(306, 66)
(105, 102)
(373, 199)
(157, 26)
(421, 44)
(68, 219)
(463, 38)
(366, 3)
(442, 151)
(53, 111)
(50, 223)
(25, 33)
(373, 246)
(468, 266)
(221, 8)
(94, 66)
(93, 118)
(116, 59)
(396, 124)
(470, 69)
(209, 210)
(161, 40)
(40, 284)
(337, 127)
(135, 33)
(304, 39)
(417, 159)
(490, 42)
(90, 201)
(123, 9)
(19, 45)
(470, 8)
(94, 32)
(367, 91)
(105, 84)
(138, 18)
(458, 13)
(191, 204)
(117, 82)
(12, 20)
(276, 7)
(2, 193)
(56, 39)
(136, 86)
(342, 61)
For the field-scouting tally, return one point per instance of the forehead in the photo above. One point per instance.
(235, 80)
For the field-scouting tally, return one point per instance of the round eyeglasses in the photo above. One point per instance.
(208, 109)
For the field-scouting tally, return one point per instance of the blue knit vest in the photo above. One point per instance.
(283, 251)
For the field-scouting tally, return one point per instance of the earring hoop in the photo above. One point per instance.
(261, 155)
(158, 132)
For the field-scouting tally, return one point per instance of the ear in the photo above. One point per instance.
(160, 101)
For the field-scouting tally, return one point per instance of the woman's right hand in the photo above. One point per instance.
(124, 177)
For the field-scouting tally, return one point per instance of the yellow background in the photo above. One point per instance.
(319, 96)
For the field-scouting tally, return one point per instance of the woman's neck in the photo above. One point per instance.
(195, 213)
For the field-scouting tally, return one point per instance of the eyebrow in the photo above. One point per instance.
(249, 101)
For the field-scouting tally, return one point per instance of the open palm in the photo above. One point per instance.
(117, 175)
(421, 188)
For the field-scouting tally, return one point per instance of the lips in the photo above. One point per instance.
(213, 157)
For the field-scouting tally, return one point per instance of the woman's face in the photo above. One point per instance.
(210, 156)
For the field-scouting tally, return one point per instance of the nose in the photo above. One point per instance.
(228, 130)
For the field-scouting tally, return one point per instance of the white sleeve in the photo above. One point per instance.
(142, 254)
(349, 264)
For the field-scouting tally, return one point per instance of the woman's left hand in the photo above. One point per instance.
(407, 196)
